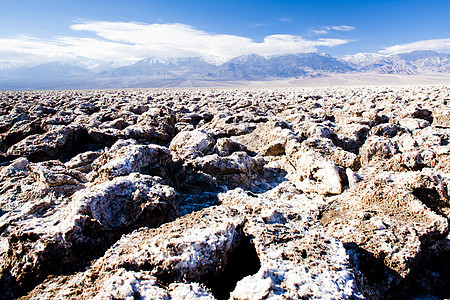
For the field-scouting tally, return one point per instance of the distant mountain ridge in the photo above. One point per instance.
(416, 62)
(162, 67)
(257, 67)
(45, 71)
(246, 67)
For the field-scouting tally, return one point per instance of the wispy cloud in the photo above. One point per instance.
(436, 44)
(126, 42)
(322, 31)
(285, 20)
(327, 29)
(340, 28)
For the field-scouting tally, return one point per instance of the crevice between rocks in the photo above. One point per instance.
(432, 199)
(241, 262)
(220, 279)
(371, 274)
(430, 277)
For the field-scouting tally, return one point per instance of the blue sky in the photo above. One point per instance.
(124, 31)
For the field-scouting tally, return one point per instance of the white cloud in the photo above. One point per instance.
(322, 31)
(127, 42)
(27, 50)
(285, 20)
(327, 29)
(340, 28)
(436, 44)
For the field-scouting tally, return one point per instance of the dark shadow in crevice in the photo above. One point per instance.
(350, 144)
(164, 167)
(197, 190)
(75, 144)
(4, 160)
(432, 199)
(6, 280)
(428, 278)
(431, 276)
(269, 178)
(372, 275)
(423, 114)
(417, 167)
(241, 262)
(12, 138)
(191, 202)
(83, 142)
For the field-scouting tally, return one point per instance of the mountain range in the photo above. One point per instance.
(157, 72)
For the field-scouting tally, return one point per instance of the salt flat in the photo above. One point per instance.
(270, 191)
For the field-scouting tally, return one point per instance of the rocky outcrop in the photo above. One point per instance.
(313, 172)
(45, 146)
(55, 236)
(126, 157)
(83, 162)
(192, 144)
(325, 193)
(216, 244)
(386, 225)
(156, 125)
(268, 139)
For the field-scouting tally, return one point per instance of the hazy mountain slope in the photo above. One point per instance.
(244, 67)
(257, 67)
(308, 63)
(163, 67)
(158, 72)
(416, 62)
(52, 70)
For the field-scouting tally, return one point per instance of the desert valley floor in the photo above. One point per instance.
(249, 193)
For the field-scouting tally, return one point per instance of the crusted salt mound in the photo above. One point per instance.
(326, 193)
(60, 233)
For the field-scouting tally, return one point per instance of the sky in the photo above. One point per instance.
(124, 32)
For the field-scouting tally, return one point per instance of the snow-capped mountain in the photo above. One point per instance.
(427, 61)
(309, 64)
(83, 72)
(5, 65)
(416, 62)
(93, 65)
(244, 67)
(360, 60)
(168, 67)
(257, 67)
(247, 67)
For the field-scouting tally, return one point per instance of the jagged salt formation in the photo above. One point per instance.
(330, 193)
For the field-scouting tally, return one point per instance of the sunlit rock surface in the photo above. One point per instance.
(323, 193)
